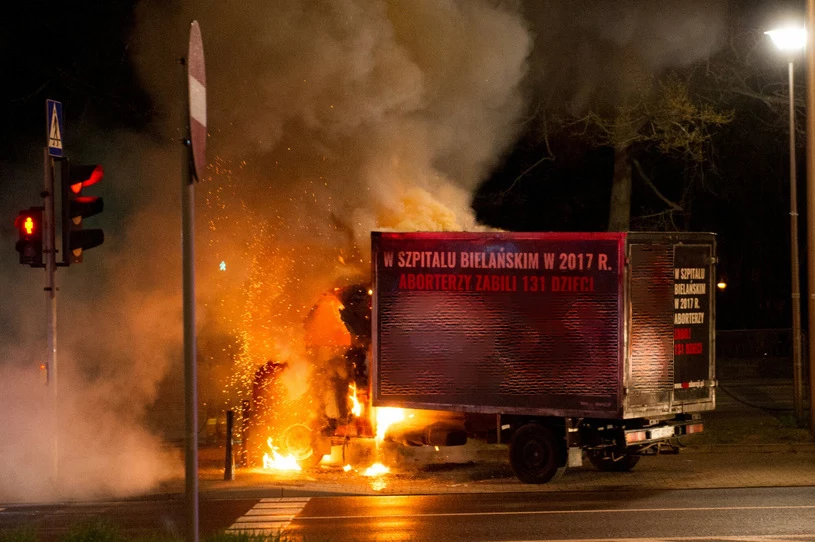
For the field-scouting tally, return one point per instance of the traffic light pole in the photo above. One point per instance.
(51, 299)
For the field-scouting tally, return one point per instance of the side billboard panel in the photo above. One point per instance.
(499, 322)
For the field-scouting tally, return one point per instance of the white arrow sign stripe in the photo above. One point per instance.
(198, 101)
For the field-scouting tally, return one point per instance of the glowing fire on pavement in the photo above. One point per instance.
(275, 461)
(385, 417)
(377, 469)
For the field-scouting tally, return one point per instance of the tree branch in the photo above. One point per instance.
(673, 206)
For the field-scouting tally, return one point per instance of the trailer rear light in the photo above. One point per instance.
(694, 428)
(632, 437)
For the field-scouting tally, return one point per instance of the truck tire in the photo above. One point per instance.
(535, 454)
(613, 461)
(298, 441)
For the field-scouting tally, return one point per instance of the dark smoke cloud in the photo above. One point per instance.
(589, 51)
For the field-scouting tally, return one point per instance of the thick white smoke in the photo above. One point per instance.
(328, 120)
(118, 335)
(396, 109)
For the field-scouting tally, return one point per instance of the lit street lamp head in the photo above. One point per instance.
(789, 38)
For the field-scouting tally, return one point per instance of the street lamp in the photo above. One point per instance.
(790, 40)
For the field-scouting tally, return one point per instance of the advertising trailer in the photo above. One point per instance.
(562, 345)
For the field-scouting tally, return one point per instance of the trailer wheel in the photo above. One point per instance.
(298, 440)
(607, 461)
(535, 454)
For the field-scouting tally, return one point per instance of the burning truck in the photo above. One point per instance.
(561, 345)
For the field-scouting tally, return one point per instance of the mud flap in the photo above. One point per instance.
(575, 457)
(574, 453)
(322, 446)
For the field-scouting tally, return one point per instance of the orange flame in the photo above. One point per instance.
(324, 326)
(385, 417)
(356, 406)
(377, 469)
(275, 461)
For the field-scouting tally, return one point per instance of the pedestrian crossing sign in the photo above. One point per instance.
(53, 131)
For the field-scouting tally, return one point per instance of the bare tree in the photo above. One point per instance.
(665, 118)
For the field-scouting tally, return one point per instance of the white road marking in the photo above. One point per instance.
(269, 516)
(746, 538)
(598, 511)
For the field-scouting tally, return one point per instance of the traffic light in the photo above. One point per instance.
(29, 243)
(75, 207)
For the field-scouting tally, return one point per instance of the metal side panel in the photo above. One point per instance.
(649, 375)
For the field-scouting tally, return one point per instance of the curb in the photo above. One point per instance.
(789, 447)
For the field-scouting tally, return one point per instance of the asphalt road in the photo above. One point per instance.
(711, 514)
(628, 515)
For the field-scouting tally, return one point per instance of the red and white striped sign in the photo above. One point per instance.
(197, 83)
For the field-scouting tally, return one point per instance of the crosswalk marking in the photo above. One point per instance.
(269, 516)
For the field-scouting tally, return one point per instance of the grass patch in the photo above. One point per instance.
(790, 421)
(95, 530)
(246, 537)
(19, 534)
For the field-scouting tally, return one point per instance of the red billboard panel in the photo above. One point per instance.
(499, 322)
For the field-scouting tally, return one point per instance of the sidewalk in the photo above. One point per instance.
(753, 412)
(749, 441)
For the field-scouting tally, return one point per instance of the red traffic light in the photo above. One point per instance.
(29, 224)
(29, 230)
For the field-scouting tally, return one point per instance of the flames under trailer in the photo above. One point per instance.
(559, 344)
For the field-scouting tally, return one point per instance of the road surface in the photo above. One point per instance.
(680, 515)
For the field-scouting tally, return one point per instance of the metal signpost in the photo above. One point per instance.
(810, 131)
(193, 163)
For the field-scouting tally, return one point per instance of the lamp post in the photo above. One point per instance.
(790, 40)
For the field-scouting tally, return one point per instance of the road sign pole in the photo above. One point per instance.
(194, 121)
(51, 300)
(810, 131)
(54, 148)
(190, 376)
